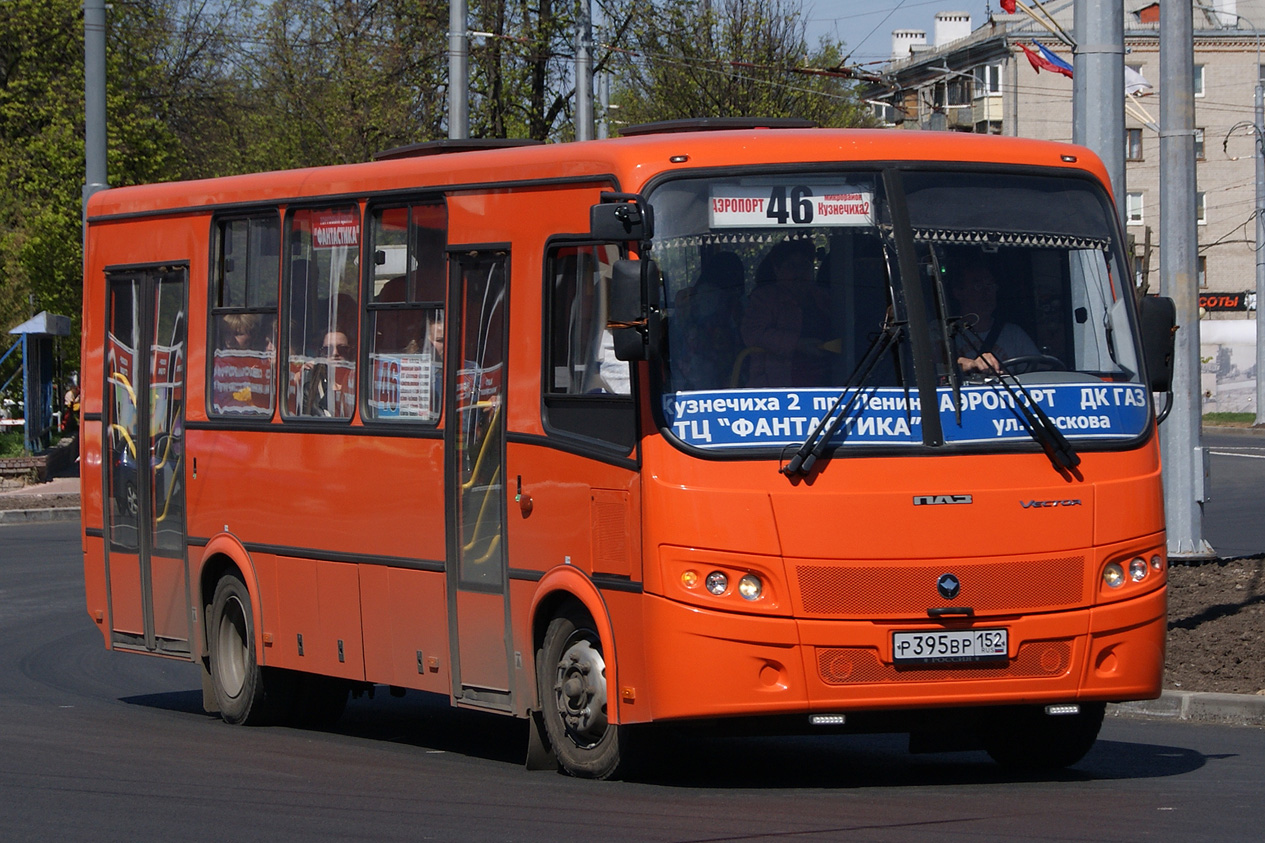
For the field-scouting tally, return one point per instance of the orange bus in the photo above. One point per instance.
(636, 430)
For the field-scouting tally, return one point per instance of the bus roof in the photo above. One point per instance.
(631, 162)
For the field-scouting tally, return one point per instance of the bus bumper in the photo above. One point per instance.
(712, 664)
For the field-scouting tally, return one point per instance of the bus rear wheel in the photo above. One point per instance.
(246, 693)
(1027, 738)
(571, 676)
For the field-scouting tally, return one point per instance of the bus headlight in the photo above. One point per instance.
(1157, 562)
(689, 579)
(1137, 569)
(717, 583)
(750, 587)
(1113, 575)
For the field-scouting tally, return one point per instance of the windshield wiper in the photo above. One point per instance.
(947, 336)
(1045, 432)
(815, 445)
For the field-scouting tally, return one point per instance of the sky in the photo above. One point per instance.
(865, 26)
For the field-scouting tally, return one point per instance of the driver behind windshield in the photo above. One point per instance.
(986, 340)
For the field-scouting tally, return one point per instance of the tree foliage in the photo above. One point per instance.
(731, 58)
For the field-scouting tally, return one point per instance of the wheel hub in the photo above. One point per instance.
(581, 690)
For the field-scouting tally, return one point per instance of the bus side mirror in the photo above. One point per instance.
(621, 216)
(633, 314)
(1157, 317)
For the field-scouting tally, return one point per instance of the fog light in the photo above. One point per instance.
(689, 579)
(1113, 575)
(750, 587)
(717, 582)
(1157, 562)
(1137, 569)
(1062, 709)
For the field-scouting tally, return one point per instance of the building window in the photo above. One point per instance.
(1133, 208)
(1133, 144)
(1201, 208)
(1201, 272)
(987, 80)
(1199, 144)
(1199, 80)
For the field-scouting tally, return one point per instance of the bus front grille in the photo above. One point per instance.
(863, 590)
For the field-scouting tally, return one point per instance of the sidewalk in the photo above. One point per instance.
(54, 500)
(58, 500)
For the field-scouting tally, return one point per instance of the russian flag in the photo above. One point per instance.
(1046, 60)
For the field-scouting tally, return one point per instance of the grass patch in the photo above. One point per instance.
(12, 444)
(1230, 419)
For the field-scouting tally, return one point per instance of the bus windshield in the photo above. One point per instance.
(784, 292)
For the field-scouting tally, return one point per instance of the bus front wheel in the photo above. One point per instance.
(245, 692)
(571, 675)
(1027, 738)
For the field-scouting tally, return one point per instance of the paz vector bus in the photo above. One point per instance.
(719, 422)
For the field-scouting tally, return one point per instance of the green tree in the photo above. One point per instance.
(335, 82)
(730, 58)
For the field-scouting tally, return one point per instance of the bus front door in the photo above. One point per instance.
(478, 607)
(144, 453)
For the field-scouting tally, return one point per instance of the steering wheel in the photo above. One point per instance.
(1039, 362)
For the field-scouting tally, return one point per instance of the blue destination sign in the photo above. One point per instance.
(760, 418)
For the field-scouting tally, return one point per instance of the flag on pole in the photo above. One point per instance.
(1046, 60)
(1135, 82)
(1008, 6)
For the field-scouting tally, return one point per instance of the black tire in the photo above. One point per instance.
(1026, 738)
(571, 680)
(245, 693)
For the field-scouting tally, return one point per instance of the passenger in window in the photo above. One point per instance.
(242, 331)
(327, 387)
(985, 339)
(786, 321)
(709, 314)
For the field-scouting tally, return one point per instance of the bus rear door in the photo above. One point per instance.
(144, 459)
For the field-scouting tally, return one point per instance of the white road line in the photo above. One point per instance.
(1233, 454)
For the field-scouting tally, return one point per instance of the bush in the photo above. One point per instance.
(12, 443)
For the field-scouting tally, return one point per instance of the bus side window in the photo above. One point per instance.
(323, 328)
(246, 262)
(586, 390)
(406, 299)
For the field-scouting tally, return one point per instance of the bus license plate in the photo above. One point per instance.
(960, 645)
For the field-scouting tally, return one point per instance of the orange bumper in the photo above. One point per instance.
(708, 664)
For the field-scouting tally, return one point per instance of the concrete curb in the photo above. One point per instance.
(1198, 707)
(36, 516)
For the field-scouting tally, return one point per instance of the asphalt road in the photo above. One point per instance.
(103, 746)
(1234, 516)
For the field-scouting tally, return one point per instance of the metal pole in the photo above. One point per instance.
(584, 74)
(94, 99)
(1098, 87)
(1185, 461)
(1259, 148)
(458, 71)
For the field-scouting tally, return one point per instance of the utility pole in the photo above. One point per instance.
(94, 100)
(1098, 87)
(584, 73)
(458, 71)
(1258, 147)
(1185, 461)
